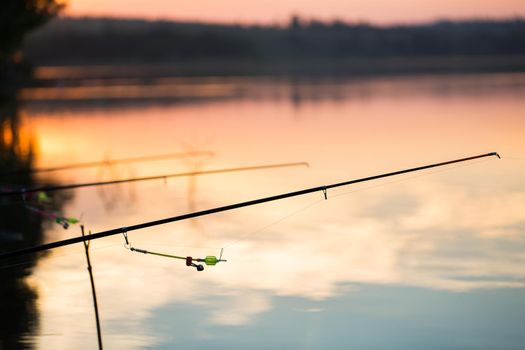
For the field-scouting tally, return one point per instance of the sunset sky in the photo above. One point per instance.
(279, 11)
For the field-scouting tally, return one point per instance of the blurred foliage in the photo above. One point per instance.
(116, 41)
(19, 228)
(17, 18)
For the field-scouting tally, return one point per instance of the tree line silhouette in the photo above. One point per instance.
(110, 41)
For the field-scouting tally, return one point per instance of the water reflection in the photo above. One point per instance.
(111, 196)
(436, 237)
(19, 228)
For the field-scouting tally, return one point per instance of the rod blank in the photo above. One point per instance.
(110, 162)
(21, 192)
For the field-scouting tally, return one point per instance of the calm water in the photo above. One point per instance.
(426, 261)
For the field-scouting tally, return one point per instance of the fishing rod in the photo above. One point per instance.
(324, 189)
(24, 191)
(109, 162)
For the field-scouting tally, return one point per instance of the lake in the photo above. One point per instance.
(428, 260)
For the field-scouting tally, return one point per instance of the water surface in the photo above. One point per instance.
(428, 260)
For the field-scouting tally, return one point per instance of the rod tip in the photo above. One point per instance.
(496, 154)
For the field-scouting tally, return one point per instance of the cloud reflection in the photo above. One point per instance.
(420, 245)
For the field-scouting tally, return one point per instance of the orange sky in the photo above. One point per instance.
(271, 11)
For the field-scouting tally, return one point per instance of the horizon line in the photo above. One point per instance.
(304, 20)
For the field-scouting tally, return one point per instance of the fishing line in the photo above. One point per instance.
(165, 243)
(209, 260)
(289, 215)
(262, 229)
(408, 178)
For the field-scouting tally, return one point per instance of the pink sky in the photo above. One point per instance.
(272, 11)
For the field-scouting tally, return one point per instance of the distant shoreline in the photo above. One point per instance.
(302, 48)
(357, 67)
